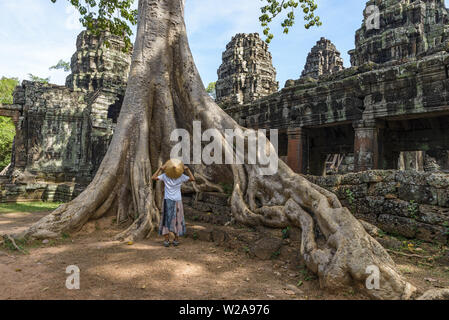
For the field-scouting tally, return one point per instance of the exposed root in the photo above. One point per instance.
(7, 237)
(334, 245)
(203, 184)
(410, 255)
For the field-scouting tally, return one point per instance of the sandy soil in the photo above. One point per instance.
(147, 270)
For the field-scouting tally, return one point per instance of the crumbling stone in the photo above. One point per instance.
(323, 59)
(63, 132)
(409, 203)
(407, 29)
(246, 73)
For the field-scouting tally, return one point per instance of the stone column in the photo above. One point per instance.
(298, 150)
(366, 149)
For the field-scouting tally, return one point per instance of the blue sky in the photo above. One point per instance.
(35, 34)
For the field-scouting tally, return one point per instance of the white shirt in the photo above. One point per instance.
(173, 186)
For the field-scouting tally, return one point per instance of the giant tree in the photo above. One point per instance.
(165, 92)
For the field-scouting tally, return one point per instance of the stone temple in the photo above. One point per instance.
(247, 72)
(63, 132)
(324, 58)
(375, 133)
(408, 29)
(392, 100)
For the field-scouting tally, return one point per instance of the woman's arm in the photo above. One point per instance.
(158, 172)
(189, 173)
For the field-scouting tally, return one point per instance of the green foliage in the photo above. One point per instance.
(413, 209)
(227, 188)
(351, 198)
(286, 233)
(7, 133)
(211, 90)
(273, 8)
(382, 233)
(20, 243)
(7, 86)
(61, 65)
(306, 274)
(7, 129)
(116, 16)
(34, 78)
(446, 227)
(28, 206)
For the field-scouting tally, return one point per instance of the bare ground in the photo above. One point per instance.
(147, 270)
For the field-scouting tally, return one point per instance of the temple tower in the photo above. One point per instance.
(324, 58)
(397, 30)
(247, 72)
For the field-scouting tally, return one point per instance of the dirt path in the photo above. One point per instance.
(16, 222)
(147, 270)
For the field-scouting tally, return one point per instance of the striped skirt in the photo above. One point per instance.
(172, 219)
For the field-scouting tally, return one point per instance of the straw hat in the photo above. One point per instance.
(174, 168)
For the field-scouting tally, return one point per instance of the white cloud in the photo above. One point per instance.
(233, 15)
(36, 37)
(72, 21)
(34, 59)
(211, 25)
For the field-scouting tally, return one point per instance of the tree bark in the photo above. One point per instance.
(165, 92)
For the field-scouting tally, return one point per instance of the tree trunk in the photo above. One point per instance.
(165, 92)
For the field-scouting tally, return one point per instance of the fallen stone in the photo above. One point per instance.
(200, 233)
(390, 243)
(219, 236)
(265, 248)
(294, 288)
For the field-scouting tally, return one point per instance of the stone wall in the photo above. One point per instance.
(42, 191)
(407, 30)
(49, 135)
(408, 203)
(210, 207)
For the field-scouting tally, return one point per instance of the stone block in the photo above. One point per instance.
(266, 248)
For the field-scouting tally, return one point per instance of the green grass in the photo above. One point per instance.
(28, 206)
